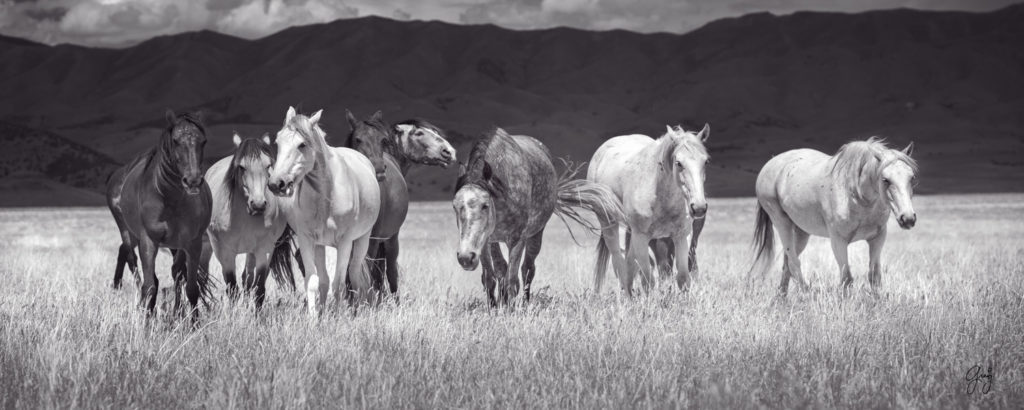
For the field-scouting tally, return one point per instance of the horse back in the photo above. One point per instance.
(524, 164)
(615, 160)
(394, 200)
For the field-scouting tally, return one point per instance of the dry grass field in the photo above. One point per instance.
(952, 300)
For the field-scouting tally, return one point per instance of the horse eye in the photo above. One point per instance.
(679, 164)
(886, 181)
(302, 145)
(484, 206)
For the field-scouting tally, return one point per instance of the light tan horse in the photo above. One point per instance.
(846, 198)
(661, 186)
(330, 197)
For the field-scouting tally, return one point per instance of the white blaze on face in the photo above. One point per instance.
(474, 215)
(897, 181)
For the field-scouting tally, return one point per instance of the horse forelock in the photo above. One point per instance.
(250, 150)
(678, 140)
(855, 159)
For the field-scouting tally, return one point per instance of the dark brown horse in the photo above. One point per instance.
(393, 151)
(507, 193)
(160, 199)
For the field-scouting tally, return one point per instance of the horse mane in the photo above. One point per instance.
(158, 157)
(477, 167)
(857, 159)
(678, 138)
(318, 178)
(249, 149)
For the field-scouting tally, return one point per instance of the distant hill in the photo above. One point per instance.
(29, 155)
(951, 81)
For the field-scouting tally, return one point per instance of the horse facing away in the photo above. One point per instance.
(653, 179)
(246, 220)
(393, 150)
(330, 197)
(846, 198)
(160, 199)
(507, 193)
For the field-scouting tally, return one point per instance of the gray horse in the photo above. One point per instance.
(507, 193)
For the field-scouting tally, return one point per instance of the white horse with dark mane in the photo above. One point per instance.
(846, 198)
(330, 197)
(661, 185)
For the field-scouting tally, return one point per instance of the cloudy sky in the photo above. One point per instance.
(123, 22)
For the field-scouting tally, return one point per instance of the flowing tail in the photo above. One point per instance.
(763, 244)
(281, 262)
(592, 196)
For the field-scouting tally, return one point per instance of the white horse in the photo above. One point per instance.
(846, 198)
(245, 221)
(331, 198)
(661, 186)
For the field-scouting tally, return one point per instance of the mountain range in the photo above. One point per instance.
(952, 82)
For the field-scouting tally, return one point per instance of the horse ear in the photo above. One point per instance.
(705, 133)
(236, 139)
(462, 170)
(377, 117)
(403, 128)
(265, 138)
(669, 130)
(198, 116)
(909, 149)
(351, 118)
(289, 115)
(315, 118)
(487, 172)
(169, 115)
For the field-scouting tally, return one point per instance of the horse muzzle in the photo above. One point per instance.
(257, 209)
(699, 211)
(468, 260)
(282, 188)
(192, 185)
(907, 221)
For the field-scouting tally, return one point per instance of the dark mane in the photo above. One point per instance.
(159, 157)
(249, 149)
(475, 168)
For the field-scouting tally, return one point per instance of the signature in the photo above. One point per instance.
(975, 377)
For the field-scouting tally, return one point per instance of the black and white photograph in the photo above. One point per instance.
(497, 204)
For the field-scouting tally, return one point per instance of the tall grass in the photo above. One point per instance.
(952, 300)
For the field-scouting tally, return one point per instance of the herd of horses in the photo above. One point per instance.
(287, 199)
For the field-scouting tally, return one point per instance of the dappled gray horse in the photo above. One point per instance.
(507, 193)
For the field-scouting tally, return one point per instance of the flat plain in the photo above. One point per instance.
(952, 300)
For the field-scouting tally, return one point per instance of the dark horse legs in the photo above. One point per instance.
(150, 284)
(664, 251)
(493, 264)
(390, 251)
(529, 267)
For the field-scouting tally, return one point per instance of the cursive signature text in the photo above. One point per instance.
(975, 377)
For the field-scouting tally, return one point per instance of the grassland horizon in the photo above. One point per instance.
(950, 312)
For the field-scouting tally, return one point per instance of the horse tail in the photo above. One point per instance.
(601, 265)
(593, 196)
(763, 243)
(280, 260)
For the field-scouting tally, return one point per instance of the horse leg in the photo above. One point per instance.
(875, 261)
(326, 278)
(313, 301)
(682, 260)
(639, 262)
(356, 271)
(698, 226)
(228, 266)
(391, 264)
(533, 245)
(179, 272)
(492, 263)
(122, 259)
(800, 239)
(663, 250)
(510, 290)
(248, 275)
(839, 248)
(193, 286)
(261, 270)
(150, 284)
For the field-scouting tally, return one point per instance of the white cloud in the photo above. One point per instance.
(256, 18)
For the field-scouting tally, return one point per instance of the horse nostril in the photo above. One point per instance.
(698, 210)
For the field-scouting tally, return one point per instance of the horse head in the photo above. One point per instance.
(368, 138)
(897, 174)
(300, 144)
(249, 171)
(689, 160)
(423, 143)
(184, 143)
(475, 212)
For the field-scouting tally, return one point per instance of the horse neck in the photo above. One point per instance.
(321, 181)
(164, 174)
(394, 148)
